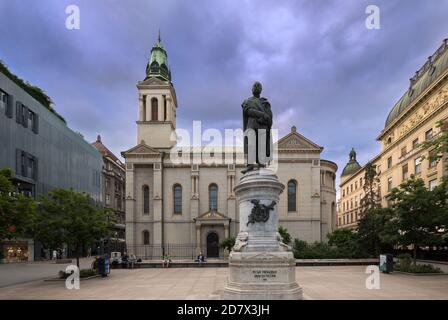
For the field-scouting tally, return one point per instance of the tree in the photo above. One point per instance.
(417, 216)
(16, 210)
(370, 228)
(372, 198)
(286, 237)
(373, 217)
(438, 145)
(346, 241)
(66, 216)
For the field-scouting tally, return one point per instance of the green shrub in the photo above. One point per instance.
(404, 256)
(419, 268)
(286, 237)
(319, 250)
(227, 243)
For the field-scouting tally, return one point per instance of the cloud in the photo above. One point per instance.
(321, 69)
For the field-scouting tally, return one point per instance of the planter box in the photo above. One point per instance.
(60, 280)
(63, 261)
(422, 273)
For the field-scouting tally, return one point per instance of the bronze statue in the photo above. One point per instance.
(257, 123)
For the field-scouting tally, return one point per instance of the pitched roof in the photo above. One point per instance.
(98, 144)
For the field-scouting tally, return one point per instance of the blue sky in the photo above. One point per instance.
(321, 68)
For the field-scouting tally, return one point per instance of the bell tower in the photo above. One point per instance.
(156, 123)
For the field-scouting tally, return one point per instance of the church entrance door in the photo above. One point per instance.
(212, 245)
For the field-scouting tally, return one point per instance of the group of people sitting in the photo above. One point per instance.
(166, 260)
(126, 261)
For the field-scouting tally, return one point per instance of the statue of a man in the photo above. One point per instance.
(257, 123)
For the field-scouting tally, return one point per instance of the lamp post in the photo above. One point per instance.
(116, 240)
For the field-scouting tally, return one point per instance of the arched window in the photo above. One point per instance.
(145, 199)
(154, 109)
(144, 109)
(292, 196)
(177, 197)
(213, 197)
(145, 237)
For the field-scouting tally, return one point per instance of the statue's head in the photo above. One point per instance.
(256, 89)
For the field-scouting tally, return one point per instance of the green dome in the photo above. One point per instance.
(431, 70)
(158, 63)
(352, 166)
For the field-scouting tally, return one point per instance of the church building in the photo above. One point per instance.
(183, 208)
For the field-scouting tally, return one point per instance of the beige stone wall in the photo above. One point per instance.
(311, 221)
(397, 144)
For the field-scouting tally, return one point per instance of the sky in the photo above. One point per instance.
(322, 70)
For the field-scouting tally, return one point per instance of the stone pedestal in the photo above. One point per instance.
(260, 265)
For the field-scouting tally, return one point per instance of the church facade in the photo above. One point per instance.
(181, 208)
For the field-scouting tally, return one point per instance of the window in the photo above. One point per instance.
(107, 183)
(343, 193)
(154, 109)
(3, 101)
(26, 117)
(107, 199)
(432, 159)
(292, 196)
(418, 165)
(177, 198)
(164, 108)
(433, 184)
(389, 184)
(356, 185)
(6, 104)
(118, 203)
(415, 143)
(213, 197)
(144, 108)
(146, 237)
(405, 171)
(403, 151)
(26, 164)
(145, 199)
(389, 162)
(428, 134)
(360, 182)
(351, 188)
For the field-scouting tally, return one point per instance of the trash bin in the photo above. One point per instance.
(386, 263)
(106, 265)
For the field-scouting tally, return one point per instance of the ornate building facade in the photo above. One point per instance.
(113, 178)
(412, 120)
(183, 208)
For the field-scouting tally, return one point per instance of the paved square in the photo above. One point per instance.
(341, 282)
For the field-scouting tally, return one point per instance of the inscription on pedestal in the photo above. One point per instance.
(264, 274)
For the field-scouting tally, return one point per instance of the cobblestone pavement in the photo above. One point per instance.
(341, 282)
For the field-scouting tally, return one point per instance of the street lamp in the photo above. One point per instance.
(116, 240)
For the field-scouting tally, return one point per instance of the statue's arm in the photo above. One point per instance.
(252, 112)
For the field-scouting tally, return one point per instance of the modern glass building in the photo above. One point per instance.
(44, 153)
